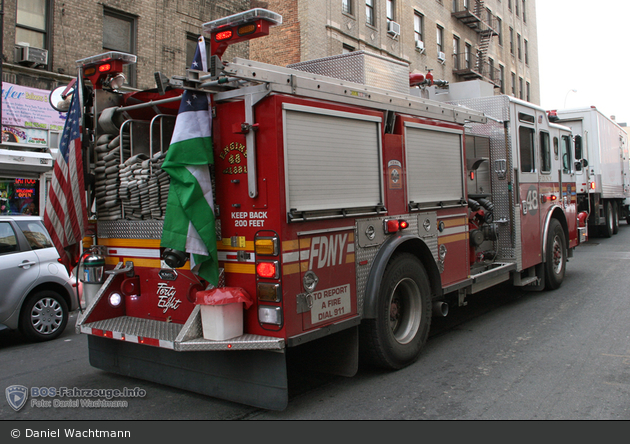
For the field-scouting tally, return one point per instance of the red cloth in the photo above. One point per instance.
(223, 296)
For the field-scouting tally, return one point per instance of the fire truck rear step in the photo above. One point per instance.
(177, 337)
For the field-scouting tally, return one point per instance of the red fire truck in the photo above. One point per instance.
(348, 213)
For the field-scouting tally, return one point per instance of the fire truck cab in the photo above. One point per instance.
(348, 213)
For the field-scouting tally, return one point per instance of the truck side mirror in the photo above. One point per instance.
(578, 147)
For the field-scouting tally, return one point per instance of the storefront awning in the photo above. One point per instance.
(19, 161)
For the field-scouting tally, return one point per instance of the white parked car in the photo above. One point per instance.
(36, 292)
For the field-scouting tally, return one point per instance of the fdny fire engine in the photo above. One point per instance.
(348, 213)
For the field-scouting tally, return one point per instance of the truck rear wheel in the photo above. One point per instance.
(556, 256)
(607, 229)
(615, 214)
(403, 315)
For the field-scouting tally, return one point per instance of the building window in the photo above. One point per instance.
(119, 34)
(347, 49)
(510, 5)
(529, 90)
(524, 14)
(346, 6)
(390, 11)
(520, 88)
(516, 4)
(456, 52)
(500, 30)
(32, 23)
(440, 39)
(418, 26)
(369, 12)
(502, 75)
(526, 52)
(511, 41)
(514, 84)
(492, 74)
(518, 46)
(468, 55)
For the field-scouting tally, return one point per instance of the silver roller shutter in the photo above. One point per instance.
(332, 159)
(434, 164)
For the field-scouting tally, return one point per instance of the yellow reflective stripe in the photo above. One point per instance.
(452, 238)
(448, 223)
(239, 268)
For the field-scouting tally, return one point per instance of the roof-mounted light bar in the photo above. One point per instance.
(242, 18)
(102, 68)
(239, 27)
(124, 58)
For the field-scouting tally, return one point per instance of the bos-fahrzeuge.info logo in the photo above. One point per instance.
(17, 396)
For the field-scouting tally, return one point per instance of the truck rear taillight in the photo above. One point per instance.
(591, 185)
(268, 269)
(266, 246)
(270, 315)
(269, 292)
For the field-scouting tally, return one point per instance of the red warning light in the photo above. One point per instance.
(223, 35)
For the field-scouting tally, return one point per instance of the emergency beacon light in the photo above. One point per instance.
(239, 27)
(102, 66)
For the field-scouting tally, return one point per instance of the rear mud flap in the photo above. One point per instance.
(254, 377)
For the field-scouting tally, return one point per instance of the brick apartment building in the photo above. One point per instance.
(492, 40)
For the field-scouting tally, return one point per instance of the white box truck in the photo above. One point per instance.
(602, 167)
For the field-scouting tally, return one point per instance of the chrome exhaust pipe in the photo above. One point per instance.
(440, 309)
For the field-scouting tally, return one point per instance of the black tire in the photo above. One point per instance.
(403, 315)
(615, 217)
(556, 256)
(44, 316)
(607, 229)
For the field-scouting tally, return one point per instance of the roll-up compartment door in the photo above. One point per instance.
(332, 159)
(434, 164)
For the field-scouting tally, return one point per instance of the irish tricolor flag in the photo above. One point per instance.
(189, 219)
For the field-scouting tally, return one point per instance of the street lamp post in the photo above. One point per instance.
(565, 97)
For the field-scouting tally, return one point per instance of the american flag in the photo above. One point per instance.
(65, 217)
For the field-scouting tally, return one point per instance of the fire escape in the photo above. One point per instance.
(474, 14)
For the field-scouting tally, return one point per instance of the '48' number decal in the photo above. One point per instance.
(530, 205)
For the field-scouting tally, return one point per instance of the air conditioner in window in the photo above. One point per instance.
(393, 28)
(30, 56)
(441, 57)
(420, 46)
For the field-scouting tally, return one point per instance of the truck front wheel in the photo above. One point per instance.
(403, 315)
(556, 256)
